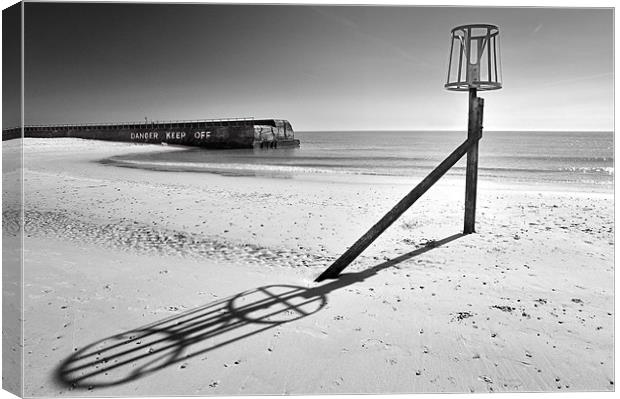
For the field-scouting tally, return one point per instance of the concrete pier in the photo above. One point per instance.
(220, 133)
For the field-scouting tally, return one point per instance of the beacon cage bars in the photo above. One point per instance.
(474, 58)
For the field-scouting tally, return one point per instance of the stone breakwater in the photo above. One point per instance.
(244, 133)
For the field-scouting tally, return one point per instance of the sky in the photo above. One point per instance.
(320, 67)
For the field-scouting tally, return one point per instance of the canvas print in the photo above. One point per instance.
(244, 199)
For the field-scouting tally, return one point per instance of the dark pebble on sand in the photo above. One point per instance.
(504, 308)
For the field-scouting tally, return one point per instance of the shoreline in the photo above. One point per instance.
(357, 178)
(302, 173)
(118, 150)
(525, 304)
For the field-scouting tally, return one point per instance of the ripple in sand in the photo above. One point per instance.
(141, 238)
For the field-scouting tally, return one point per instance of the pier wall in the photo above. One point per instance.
(266, 133)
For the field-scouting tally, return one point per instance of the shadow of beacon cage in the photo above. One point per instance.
(134, 354)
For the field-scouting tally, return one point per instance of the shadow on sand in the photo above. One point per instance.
(133, 354)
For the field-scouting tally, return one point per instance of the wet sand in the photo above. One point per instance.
(143, 282)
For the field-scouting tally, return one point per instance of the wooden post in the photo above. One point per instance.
(474, 133)
(390, 217)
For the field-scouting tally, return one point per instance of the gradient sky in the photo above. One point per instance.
(322, 68)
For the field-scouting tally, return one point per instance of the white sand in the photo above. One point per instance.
(526, 304)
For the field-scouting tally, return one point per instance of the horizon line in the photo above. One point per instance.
(455, 130)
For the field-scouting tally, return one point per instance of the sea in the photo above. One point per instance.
(580, 160)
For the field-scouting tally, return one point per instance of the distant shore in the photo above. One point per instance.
(525, 304)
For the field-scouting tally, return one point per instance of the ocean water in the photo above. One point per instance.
(580, 159)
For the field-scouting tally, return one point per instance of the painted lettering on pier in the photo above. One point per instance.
(202, 135)
(144, 135)
(173, 135)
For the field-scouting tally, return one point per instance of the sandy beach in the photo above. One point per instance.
(165, 283)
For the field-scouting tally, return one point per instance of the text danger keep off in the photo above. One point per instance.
(198, 135)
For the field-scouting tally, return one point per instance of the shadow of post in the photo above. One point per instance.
(133, 354)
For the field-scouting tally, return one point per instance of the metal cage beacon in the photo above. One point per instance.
(474, 58)
(474, 65)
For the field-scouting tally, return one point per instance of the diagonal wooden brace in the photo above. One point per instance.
(375, 231)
